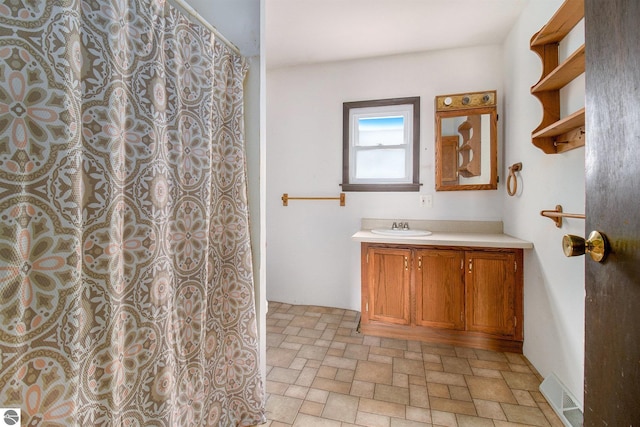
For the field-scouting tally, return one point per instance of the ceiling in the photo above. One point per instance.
(311, 31)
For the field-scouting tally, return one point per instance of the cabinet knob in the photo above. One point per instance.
(596, 246)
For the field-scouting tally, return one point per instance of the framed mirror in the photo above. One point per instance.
(466, 141)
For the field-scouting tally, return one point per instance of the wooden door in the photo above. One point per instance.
(612, 306)
(389, 285)
(491, 295)
(439, 286)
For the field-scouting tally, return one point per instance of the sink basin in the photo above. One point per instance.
(400, 232)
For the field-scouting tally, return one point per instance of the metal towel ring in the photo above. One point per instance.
(512, 176)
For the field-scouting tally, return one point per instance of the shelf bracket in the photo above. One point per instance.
(574, 138)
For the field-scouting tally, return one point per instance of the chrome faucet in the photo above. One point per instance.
(400, 225)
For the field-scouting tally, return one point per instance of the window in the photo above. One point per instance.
(381, 145)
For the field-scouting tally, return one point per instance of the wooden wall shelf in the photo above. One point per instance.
(556, 134)
(567, 17)
(571, 68)
(565, 134)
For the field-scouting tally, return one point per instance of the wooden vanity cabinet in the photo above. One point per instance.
(439, 289)
(388, 286)
(492, 295)
(454, 295)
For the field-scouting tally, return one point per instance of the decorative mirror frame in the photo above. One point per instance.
(457, 105)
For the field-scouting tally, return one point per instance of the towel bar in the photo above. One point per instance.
(286, 198)
(557, 215)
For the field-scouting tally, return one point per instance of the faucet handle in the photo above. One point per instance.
(405, 226)
(394, 226)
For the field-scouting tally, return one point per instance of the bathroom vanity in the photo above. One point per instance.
(462, 287)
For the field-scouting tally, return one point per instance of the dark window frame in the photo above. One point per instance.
(346, 145)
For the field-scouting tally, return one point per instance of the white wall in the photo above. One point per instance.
(554, 285)
(311, 258)
(237, 20)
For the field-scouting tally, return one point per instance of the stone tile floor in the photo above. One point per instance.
(322, 372)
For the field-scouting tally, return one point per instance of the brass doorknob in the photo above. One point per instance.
(596, 246)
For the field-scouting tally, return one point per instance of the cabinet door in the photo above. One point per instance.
(440, 288)
(491, 292)
(389, 285)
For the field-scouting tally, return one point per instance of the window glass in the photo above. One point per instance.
(375, 131)
(381, 165)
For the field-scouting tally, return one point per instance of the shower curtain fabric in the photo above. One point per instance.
(126, 284)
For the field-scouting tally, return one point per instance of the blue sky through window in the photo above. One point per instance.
(381, 123)
(381, 131)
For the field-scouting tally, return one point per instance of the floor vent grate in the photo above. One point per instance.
(562, 402)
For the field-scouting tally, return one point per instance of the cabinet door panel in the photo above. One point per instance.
(490, 292)
(440, 289)
(389, 285)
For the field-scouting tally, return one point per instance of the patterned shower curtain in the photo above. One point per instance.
(126, 285)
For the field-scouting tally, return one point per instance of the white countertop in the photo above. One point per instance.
(438, 238)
